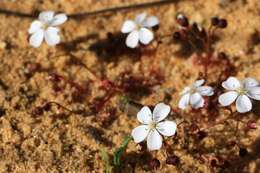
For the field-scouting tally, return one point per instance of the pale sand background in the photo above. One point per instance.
(56, 143)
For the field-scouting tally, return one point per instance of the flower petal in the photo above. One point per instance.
(35, 26)
(59, 19)
(145, 36)
(243, 104)
(154, 140)
(184, 101)
(250, 82)
(227, 98)
(144, 115)
(167, 128)
(186, 90)
(196, 100)
(140, 133)
(140, 18)
(51, 36)
(198, 83)
(231, 83)
(151, 21)
(132, 39)
(128, 26)
(46, 16)
(254, 93)
(205, 90)
(160, 112)
(36, 38)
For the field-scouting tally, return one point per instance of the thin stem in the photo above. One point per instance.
(207, 44)
(208, 40)
(97, 12)
(182, 123)
(93, 75)
(123, 8)
(165, 36)
(59, 105)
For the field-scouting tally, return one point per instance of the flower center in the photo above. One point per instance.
(45, 26)
(242, 91)
(193, 90)
(152, 125)
(138, 27)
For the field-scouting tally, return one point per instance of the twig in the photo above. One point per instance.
(61, 106)
(124, 8)
(93, 13)
(17, 13)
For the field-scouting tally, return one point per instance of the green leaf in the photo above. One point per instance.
(105, 158)
(118, 153)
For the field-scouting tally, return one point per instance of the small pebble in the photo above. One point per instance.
(2, 45)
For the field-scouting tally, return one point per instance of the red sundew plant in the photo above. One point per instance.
(198, 128)
(201, 40)
(59, 83)
(206, 101)
(126, 84)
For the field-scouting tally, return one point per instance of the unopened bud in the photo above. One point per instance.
(214, 21)
(182, 20)
(222, 23)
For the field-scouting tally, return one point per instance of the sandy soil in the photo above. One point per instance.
(56, 140)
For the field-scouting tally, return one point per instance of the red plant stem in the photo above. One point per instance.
(59, 105)
(222, 121)
(70, 82)
(207, 44)
(237, 127)
(194, 35)
(93, 77)
(111, 89)
(108, 96)
(165, 36)
(184, 121)
(99, 80)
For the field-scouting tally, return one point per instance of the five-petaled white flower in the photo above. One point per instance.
(153, 126)
(46, 28)
(241, 92)
(138, 31)
(193, 95)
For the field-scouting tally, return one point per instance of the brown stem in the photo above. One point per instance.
(184, 121)
(123, 8)
(59, 105)
(97, 12)
(207, 45)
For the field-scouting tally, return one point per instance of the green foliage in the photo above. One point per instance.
(105, 158)
(118, 153)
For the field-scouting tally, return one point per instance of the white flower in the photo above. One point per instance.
(193, 95)
(241, 92)
(153, 126)
(138, 31)
(46, 28)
